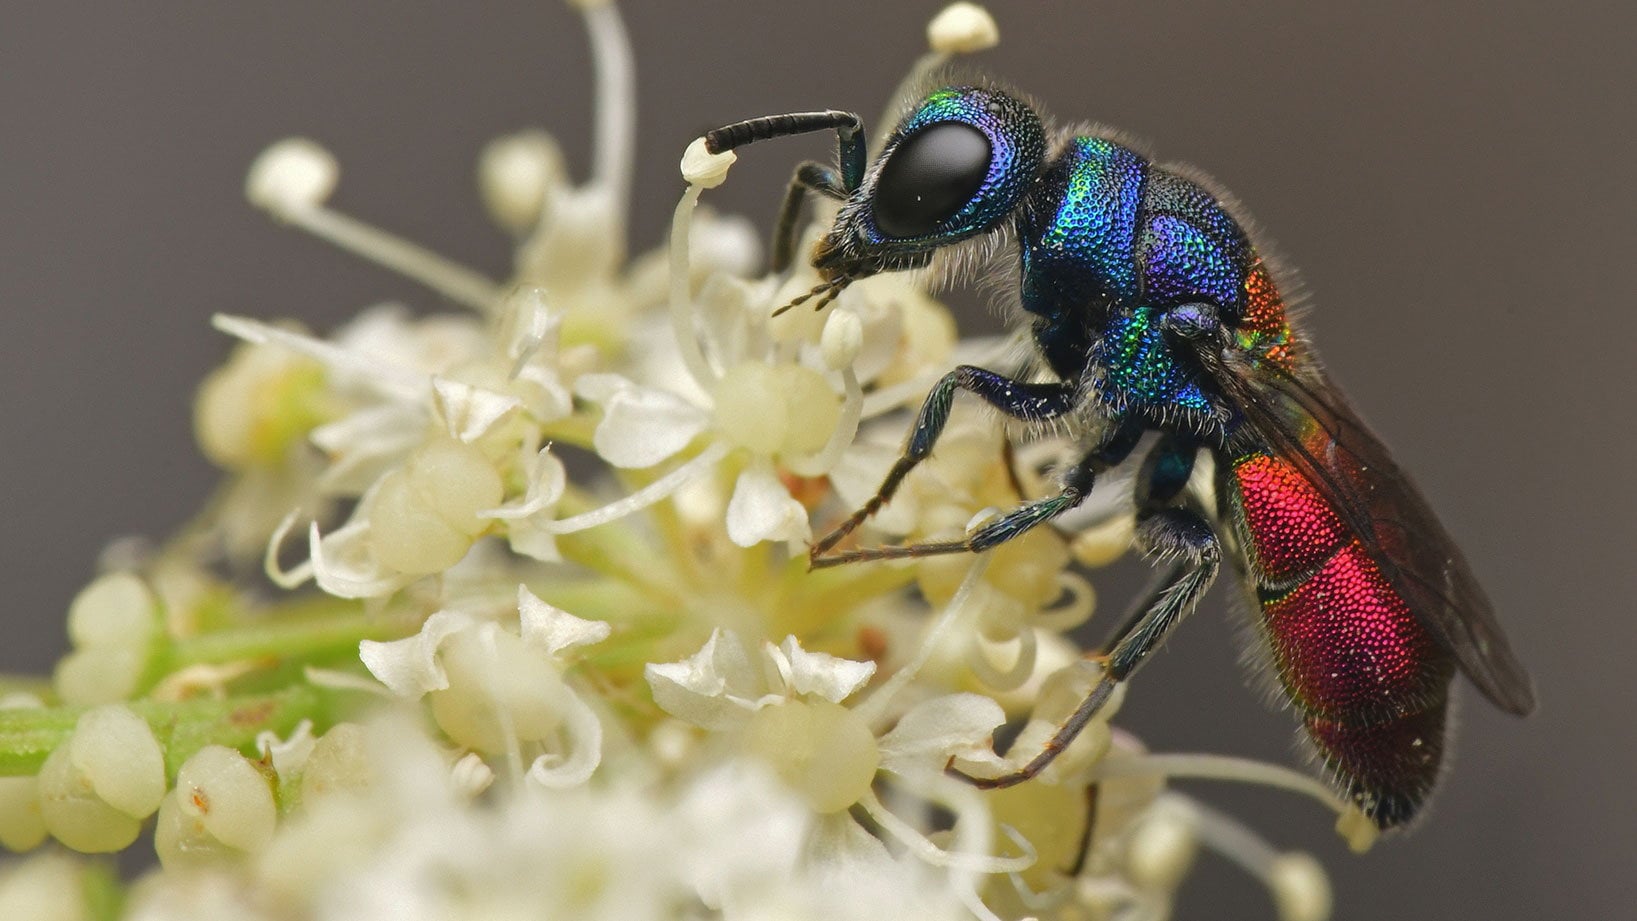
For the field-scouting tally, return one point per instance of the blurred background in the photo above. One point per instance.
(1453, 180)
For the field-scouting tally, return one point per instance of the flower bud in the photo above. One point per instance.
(50, 887)
(1300, 888)
(222, 806)
(113, 623)
(97, 786)
(339, 763)
(291, 175)
(962, 28)
(500, 691)
(22, 827)
(515, 175)
(824, 751)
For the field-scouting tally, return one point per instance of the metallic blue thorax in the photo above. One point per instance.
(1109, 243)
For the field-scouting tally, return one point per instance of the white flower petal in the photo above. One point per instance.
(715, 687)
(410, 666)
(287, 755)
(584, 732)
(641, 426)
(343, 566)
(645, 427)
(470, 412)
(935, 730)
(762, 509)
(553, 629)
(820, 673)
(387, 378)
(600, 388)
(547, 481)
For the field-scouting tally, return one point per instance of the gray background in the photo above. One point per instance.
(1453, 180)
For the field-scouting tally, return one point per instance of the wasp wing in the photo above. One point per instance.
(1303, 418)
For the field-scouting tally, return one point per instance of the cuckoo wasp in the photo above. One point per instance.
(1153, 310)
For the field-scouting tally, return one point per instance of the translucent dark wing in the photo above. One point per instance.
(1306, 420)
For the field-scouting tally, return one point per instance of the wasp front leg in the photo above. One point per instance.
(1030, 402)
(810, 177)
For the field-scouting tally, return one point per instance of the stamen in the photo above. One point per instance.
(681, 306)
(290, 578)
(291, 180)
(975, 860)
(1220, 767)
(615, 127)
(1297, 883)
(355, 584)
(1014, 676)
(644, 497)
(840, 342)
(585, 734)
(874, 707)
(390, 379)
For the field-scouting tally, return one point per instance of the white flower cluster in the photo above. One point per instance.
(561, 655)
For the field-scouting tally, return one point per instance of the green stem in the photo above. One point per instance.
(27, 736)
(281, 639)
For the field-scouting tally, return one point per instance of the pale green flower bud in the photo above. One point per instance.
(824, 751)
(96, 788)
(113, 623)
(49, 887)
(22, 827)
(222, 806)
(1301, 890)
(499, 690)
(339, 763)
(424, 516)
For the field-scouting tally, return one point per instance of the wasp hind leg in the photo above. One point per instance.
(1179, 536)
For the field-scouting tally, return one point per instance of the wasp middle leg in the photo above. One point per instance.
(1175, 534)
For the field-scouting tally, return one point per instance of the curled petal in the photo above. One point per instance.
(554, 629)
(410, 666)
(932, 732)
(584, 734)
(818, 673)
(715, 687)
(469, 412)
(348, 571)
(287, 755)
(762, 509)
(547, 481)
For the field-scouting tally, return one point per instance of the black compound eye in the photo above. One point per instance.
(929, 176)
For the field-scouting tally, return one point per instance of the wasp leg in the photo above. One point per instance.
(1116, 446)
(1029, 402)
(1180, 536)
(811, 176)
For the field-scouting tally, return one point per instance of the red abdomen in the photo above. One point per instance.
(1371, 682)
